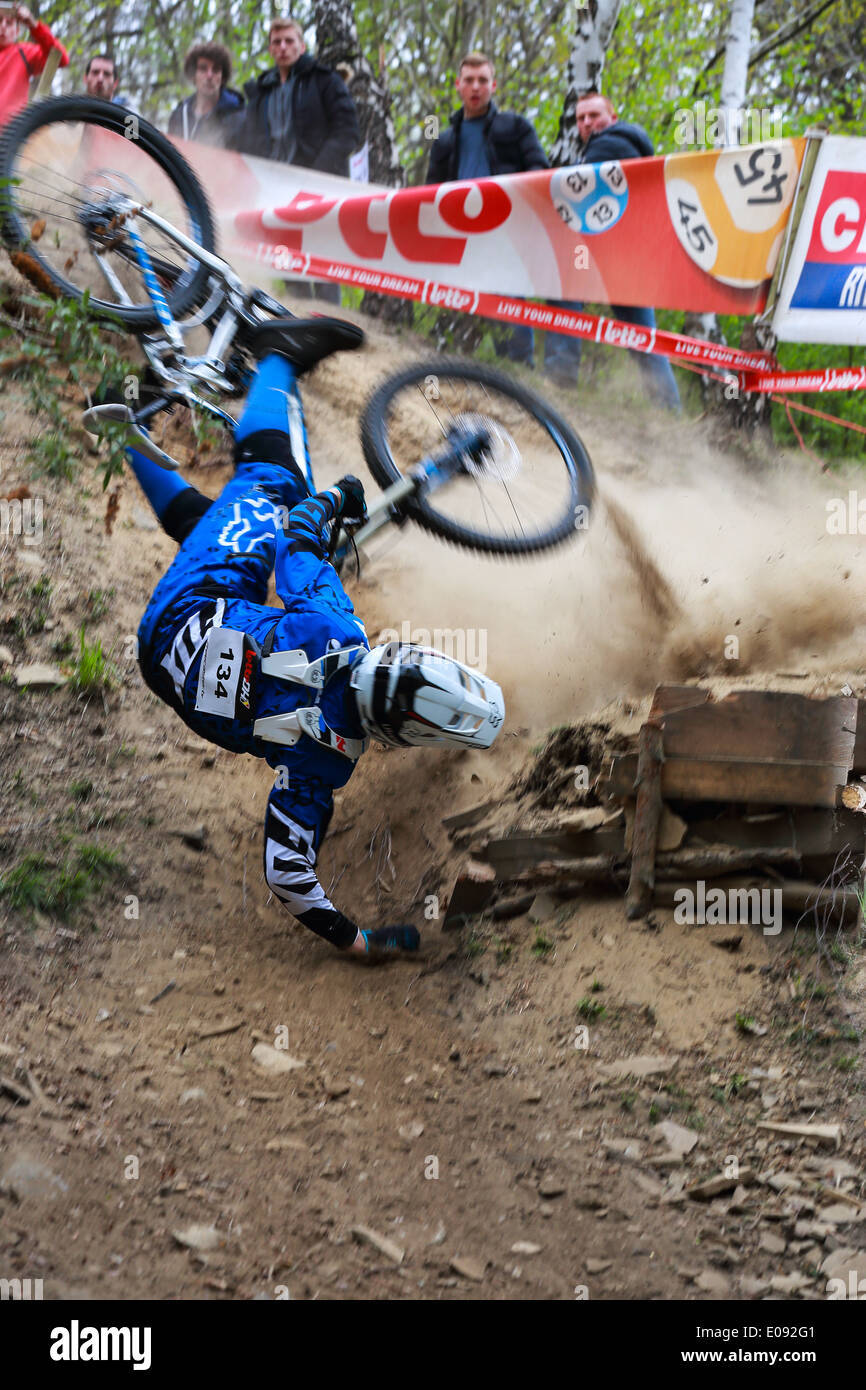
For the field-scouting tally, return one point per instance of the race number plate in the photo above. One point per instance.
(227, 677)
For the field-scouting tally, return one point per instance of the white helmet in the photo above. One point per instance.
(416, 695)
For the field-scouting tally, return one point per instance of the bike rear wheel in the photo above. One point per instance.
(530, 490)
(70, 162)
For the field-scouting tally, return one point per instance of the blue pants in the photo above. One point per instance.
(562, 355)
(516, 343)
(229, 544)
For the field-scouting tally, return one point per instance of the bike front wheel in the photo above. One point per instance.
(68, 166)
(529, 488)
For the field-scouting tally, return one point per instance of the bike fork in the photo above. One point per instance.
(160, 303)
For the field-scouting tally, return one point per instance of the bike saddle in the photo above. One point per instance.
(303, 341)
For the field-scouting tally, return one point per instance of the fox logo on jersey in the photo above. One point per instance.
(254, 519)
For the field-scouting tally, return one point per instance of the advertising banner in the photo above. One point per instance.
(823, 294)
(699, 231)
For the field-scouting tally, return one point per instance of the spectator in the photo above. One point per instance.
(604, 136)
(101, 79)
(299, 112)
(482, 140)
(211, 112)
(21, 61)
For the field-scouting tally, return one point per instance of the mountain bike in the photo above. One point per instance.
(97, 205)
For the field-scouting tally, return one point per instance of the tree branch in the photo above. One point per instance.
(787, 31)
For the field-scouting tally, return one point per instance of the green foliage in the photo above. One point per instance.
(37, 882)
(82, 347)
(92, 669)
(32, 607)
(97, 603)
(542, 945)
(473, 945)
(590, 1009)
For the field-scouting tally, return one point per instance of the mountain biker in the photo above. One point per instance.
(300, 688)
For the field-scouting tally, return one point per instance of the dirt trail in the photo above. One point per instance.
(442, 1103)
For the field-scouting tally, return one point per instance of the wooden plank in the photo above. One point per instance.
(841, 907)
(859, 766)
(766, 726)
(646, 821)
(764, 747)
(810, 831)
(471, 817)
(679, 866)
(516, 852)
(755, 783)
(669, 698)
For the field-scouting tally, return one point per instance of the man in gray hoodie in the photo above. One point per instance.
(605, 137)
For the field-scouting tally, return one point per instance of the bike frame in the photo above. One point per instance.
(428, 474)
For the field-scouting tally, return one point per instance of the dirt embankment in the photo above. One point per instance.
(442, 1103)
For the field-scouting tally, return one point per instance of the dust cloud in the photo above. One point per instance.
(694, 563)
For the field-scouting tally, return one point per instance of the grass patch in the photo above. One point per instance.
(97, 603)
(33, 608)
(39, 883)
(542, 945)
(474, 945)
(91, 670)
(590, 1009)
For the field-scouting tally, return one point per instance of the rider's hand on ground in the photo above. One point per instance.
(386, 941)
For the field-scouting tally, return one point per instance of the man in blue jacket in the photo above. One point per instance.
(605, 137)
(207, 115)
(482, 141)
(299, 687)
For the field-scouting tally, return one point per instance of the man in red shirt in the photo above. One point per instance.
(21, 61)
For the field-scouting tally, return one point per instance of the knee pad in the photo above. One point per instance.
(267, 446)
(183, 513)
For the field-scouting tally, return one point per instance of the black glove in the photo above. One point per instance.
(353, 509)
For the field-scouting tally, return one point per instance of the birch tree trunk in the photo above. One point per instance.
(337, 45)
(749, 412)
(596, 22)
(736, 73)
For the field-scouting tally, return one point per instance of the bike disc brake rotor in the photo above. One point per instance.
(499, 460)
(103, 212)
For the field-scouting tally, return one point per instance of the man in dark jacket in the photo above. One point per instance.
(208, 115)
(299, 112)
(482, 141)
(604, 137)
